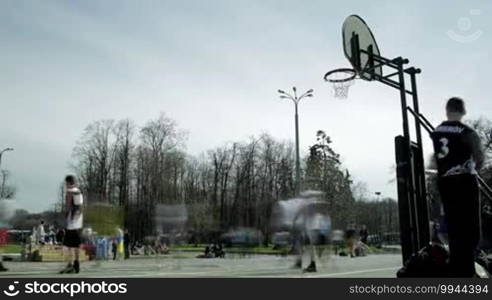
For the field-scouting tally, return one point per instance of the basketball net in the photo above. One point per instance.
(341, 89)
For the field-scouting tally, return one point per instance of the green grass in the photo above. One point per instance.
(10, 248)
(104, 219)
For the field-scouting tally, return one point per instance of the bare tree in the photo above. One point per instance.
(235, 185)
(95, 152)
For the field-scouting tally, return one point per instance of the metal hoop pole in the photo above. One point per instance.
(410, 176)
(421, 192)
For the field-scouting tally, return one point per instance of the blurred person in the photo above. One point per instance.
(360, 249)
(435, 232)
(164, 249)
(338, 240)
(40, 233)
(351, 239)
(74, 223)
(363, 234)
(311, 227)
(51, 235)
(59, 237)
(3, 240)
(34, 235)
(207, 251)
(127, 243)
(138, 248)
(219, 251)
(114, 248)
(120, 249)
(2, 268)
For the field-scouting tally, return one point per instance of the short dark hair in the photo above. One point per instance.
(70, 179)
(456, 105)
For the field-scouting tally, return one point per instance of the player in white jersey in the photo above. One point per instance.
(74, 223)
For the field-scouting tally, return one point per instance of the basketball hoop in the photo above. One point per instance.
(341, 79)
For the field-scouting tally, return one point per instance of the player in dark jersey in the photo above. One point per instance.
(458, 155)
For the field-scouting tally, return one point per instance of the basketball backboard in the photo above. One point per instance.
(358, 43)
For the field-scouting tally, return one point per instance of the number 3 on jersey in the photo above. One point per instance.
(444, 148)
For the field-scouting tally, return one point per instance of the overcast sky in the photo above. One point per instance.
(215, 67)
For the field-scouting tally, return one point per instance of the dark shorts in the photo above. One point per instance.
(460, 199)
(72, 238)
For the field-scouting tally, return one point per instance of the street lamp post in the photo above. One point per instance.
(296, 100)
(378, 194)
(1, 153)
(2, 268)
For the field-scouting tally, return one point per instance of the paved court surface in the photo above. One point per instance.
(180, 265)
